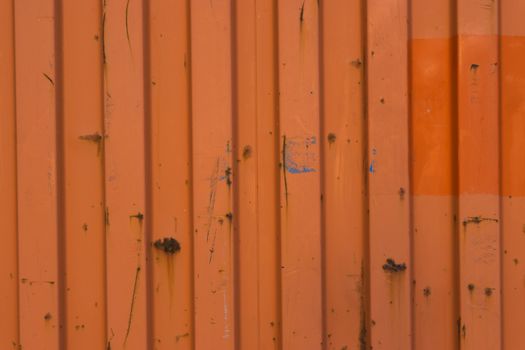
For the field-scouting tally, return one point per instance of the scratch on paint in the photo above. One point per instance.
(226, 334)
(221, 167)
(103, 35)
(49, 78)
(133, 296)
(284, 171)
(127, 24)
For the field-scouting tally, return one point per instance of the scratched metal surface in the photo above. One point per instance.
(262, 174)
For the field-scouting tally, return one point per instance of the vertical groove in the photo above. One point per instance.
(410, 166)
(278, 189)
(191, 208)
(257, 167)
(103, 85)
(60, 169)
(103, 162)
(366, 185)
(322, 173)
(103, 180)
(235, 185)
(500, 176)
(15, 152)
(148, 169)
(455, 160)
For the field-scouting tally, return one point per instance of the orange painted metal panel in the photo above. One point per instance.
(227, 174)
(9, 337)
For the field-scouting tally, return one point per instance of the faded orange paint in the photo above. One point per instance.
(262, 174)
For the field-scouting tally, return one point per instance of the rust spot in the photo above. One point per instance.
(391, 266)
(247, 152)
(138, 216)
(488, 291)
(471, 287)
(382, 100)
(401, 193)
(301, 14)
(356, 63)
(181, 336)
(168, 244)
(516, 261)
(331, 138)
(85, 227)
(106, 216)
(426, 291)
(228, 174)
(229, 216)
(464, 331)
(477, 220)
(96, 137)
(474, 67)
(47, 316)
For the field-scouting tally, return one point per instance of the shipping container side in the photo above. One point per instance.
(262, 174)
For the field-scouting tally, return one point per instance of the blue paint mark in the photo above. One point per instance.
(293, 168)
(372, 169)
(299, 157)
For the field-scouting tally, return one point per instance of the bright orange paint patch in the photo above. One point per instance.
(432, 116)
(512, 115)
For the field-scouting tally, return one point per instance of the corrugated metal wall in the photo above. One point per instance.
(262, 174)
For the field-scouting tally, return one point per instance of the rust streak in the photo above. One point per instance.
(477, 220)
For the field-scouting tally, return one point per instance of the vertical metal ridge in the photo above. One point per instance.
(278, 187)
(189, 84)
(103, 161)
(410, 165)
(455, 166)
(103, 90)
(367, 299)
(234, 205)
(148, 168)
(15, 170)
(60, 165)
(15, 152)
(322, 172)
(257, 168)
(500, 177)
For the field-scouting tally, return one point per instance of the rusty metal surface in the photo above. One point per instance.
(262, 174)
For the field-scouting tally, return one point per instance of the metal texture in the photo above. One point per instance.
(262, 174)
